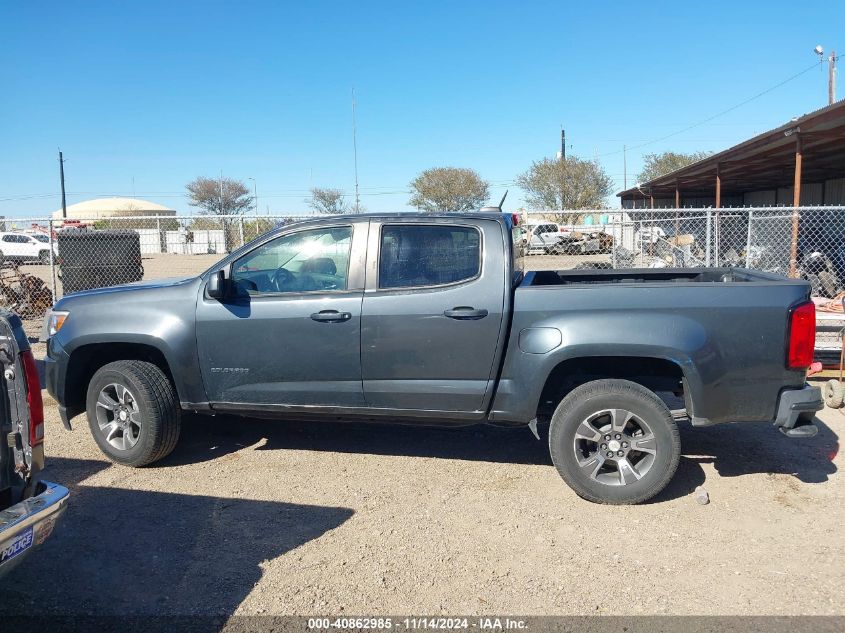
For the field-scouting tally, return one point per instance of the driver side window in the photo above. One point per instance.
(315, 260)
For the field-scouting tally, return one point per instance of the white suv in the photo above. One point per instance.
(544, 237)
(20, 247)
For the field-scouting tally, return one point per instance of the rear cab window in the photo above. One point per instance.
(425, 255)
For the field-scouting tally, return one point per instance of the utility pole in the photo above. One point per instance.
(625, 167)
(355, 151)
(562, 143)
(255, 194)
(831, 72)
(831, 78)
(62, 178)
(221, 192)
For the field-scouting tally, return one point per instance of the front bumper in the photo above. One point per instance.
(55, 375)
(27, 524)
(797, 409)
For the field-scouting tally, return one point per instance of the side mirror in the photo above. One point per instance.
(216, 287)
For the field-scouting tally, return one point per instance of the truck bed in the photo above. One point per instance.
(650, 275)
(724, 329)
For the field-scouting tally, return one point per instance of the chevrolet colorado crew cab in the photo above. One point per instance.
(29, 507)
(430, 319)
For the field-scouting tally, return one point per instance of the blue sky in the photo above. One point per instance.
(162, 92)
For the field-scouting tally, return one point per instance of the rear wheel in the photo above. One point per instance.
(44, 256)
(614, 441)
(133, 412)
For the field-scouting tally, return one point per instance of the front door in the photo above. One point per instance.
(432, 315)
(289, 333)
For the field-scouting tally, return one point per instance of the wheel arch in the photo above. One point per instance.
(85, 360)
(655, 373)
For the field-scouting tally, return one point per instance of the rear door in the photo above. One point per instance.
(432, 315)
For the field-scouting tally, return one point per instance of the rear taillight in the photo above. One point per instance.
(802, 336)
(33, 399)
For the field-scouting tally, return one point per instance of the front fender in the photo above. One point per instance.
(162, 318)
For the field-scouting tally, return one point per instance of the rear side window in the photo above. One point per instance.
(428, 255)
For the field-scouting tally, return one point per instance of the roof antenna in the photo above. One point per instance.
(495, 209)
(503, 199)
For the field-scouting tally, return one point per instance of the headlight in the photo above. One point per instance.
(53, 323)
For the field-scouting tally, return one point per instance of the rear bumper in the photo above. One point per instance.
(27, 524)
(797, 409)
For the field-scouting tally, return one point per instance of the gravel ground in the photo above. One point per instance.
(259, 517)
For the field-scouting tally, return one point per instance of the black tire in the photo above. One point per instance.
(157, 415)
(586, 405)
(44, 257)
(2, 257)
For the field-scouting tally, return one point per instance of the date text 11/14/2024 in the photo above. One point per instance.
(419, 623)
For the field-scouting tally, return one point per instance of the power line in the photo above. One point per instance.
(718, 114)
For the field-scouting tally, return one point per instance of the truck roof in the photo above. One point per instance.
(415, 215)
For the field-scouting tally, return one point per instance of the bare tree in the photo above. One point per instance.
(570, 183)
(327, 200)
(450, 189)
(656, 165)
(219, 196)
(222, 197)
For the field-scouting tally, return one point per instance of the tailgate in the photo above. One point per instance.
(19, 461)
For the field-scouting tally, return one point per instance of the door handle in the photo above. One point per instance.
(331, 316)
(465, 313)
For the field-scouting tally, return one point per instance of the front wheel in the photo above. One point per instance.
(615, 442)
(133, 412)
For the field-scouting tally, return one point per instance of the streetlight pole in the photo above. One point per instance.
(62, 178)
(355, 153)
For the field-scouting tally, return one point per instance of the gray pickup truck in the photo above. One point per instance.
(29, 507)
(430, 319)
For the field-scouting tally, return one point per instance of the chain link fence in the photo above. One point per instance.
(44, 259)
(806, 242)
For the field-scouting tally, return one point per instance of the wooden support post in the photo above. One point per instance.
(718, 187)
(718, 206)
(677, 206)
(796, 202)
(651, 227)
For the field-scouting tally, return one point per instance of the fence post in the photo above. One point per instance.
(748, 240)
(707, 239)
(158, 230)
(615, 244)
(242, 230)
(52, 261)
